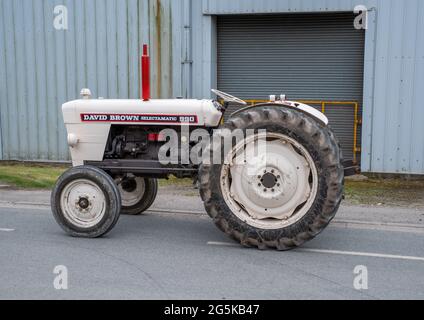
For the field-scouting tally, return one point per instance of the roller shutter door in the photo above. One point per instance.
(305, 56)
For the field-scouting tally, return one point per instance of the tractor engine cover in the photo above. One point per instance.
(88, 121)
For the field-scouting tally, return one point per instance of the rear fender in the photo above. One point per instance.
(304, 108)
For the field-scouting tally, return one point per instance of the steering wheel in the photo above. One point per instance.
(228, 98)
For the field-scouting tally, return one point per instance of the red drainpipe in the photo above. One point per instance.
(145, 74)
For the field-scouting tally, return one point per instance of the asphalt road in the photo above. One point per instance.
(165, 256)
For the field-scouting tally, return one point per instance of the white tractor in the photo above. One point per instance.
(278, 198)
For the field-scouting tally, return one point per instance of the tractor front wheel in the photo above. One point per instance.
(85, 202)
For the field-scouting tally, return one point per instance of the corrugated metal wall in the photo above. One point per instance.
(394, 122)
(41, 67)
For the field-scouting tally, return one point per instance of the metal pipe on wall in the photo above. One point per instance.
(187, 59)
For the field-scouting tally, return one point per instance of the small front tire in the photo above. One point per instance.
(86, 202)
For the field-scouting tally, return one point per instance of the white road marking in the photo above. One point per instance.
(222, 244)
(335, 252)
(364, 254)
(6, 230)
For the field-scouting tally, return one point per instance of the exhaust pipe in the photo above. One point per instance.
(145, 74)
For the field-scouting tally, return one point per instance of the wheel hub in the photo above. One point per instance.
(132, 190)
(83, 203)
(129, 185)
(269, 180)
(271, 186)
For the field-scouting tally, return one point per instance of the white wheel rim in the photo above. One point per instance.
(133, 197)
(273, 189)
(83, 203)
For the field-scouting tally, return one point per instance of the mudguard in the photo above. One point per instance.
(311, 111)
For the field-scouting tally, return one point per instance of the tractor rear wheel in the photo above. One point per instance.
(85, 202)
(137, 193)
(283, 195)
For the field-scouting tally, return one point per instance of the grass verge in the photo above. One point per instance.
(30, 176)
(40, 176)
(386, 192)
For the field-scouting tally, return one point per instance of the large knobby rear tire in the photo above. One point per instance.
(314, 150)
(137, 194)
(86, 202)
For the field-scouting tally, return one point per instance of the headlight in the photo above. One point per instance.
(72, 140)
